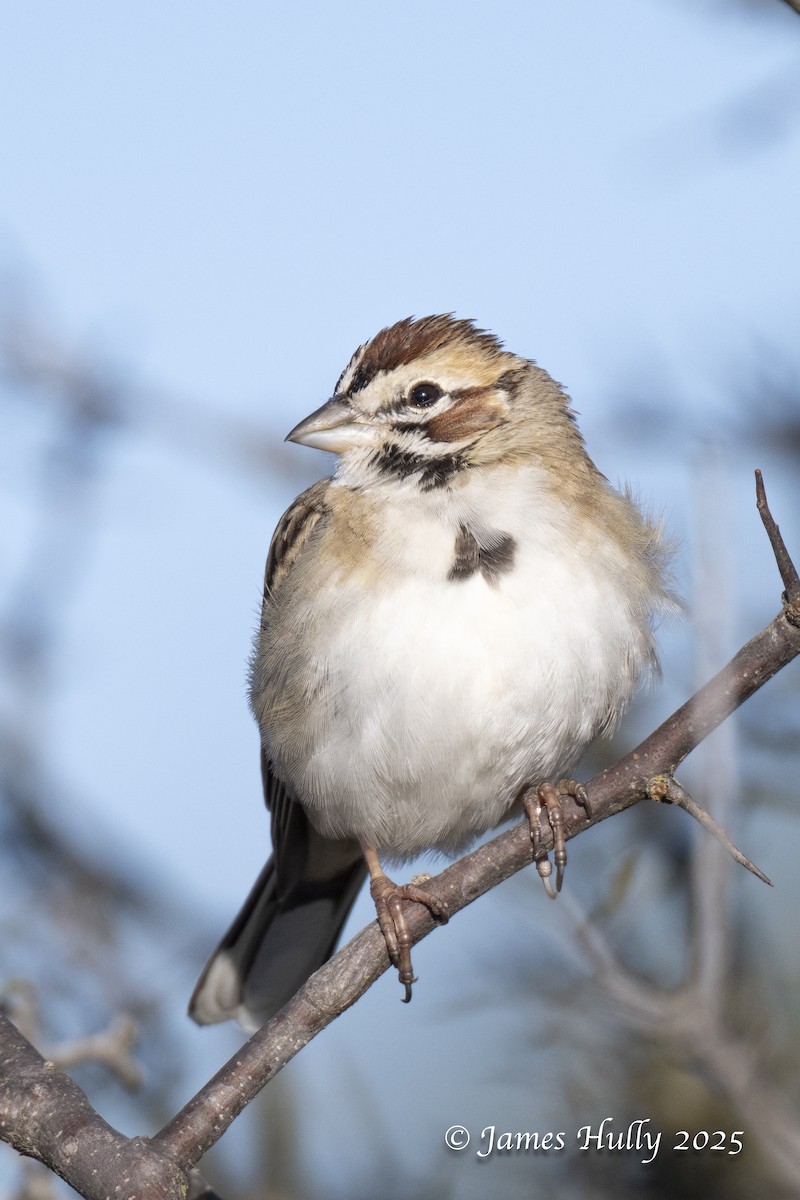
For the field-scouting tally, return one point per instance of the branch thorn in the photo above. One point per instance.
(669, 791)
(789, 575)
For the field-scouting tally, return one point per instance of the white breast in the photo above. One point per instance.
(422, 705)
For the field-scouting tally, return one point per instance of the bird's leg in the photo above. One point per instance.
(547, 799)
(389, 899)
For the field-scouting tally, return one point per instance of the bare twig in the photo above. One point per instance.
(688, 1019)
(111, 1048)
(668, 790)
(789, 575)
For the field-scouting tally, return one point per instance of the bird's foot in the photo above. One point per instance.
(547, 799)
(390, 900)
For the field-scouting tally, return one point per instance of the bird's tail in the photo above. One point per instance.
(280, 937)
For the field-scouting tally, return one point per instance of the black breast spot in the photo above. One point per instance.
(492, 561)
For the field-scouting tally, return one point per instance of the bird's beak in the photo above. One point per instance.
(333, 427)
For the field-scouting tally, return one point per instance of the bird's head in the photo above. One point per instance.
(419, 398)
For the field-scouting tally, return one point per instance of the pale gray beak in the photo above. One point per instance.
(333, 427)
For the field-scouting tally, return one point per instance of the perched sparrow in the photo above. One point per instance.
(447, 621)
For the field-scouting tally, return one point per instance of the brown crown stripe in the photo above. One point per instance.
(410, 339)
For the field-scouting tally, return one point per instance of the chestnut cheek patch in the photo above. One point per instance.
(476, 410)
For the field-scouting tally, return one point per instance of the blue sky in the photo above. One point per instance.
(228, 192)
(221, 201)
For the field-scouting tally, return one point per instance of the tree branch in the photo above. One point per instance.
(45, 1115)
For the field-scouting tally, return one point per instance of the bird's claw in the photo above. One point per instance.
(389, 899)
(547, 799)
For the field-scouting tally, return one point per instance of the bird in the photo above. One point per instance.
(448, 621)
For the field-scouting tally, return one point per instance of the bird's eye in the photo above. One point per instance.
(423, 395)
